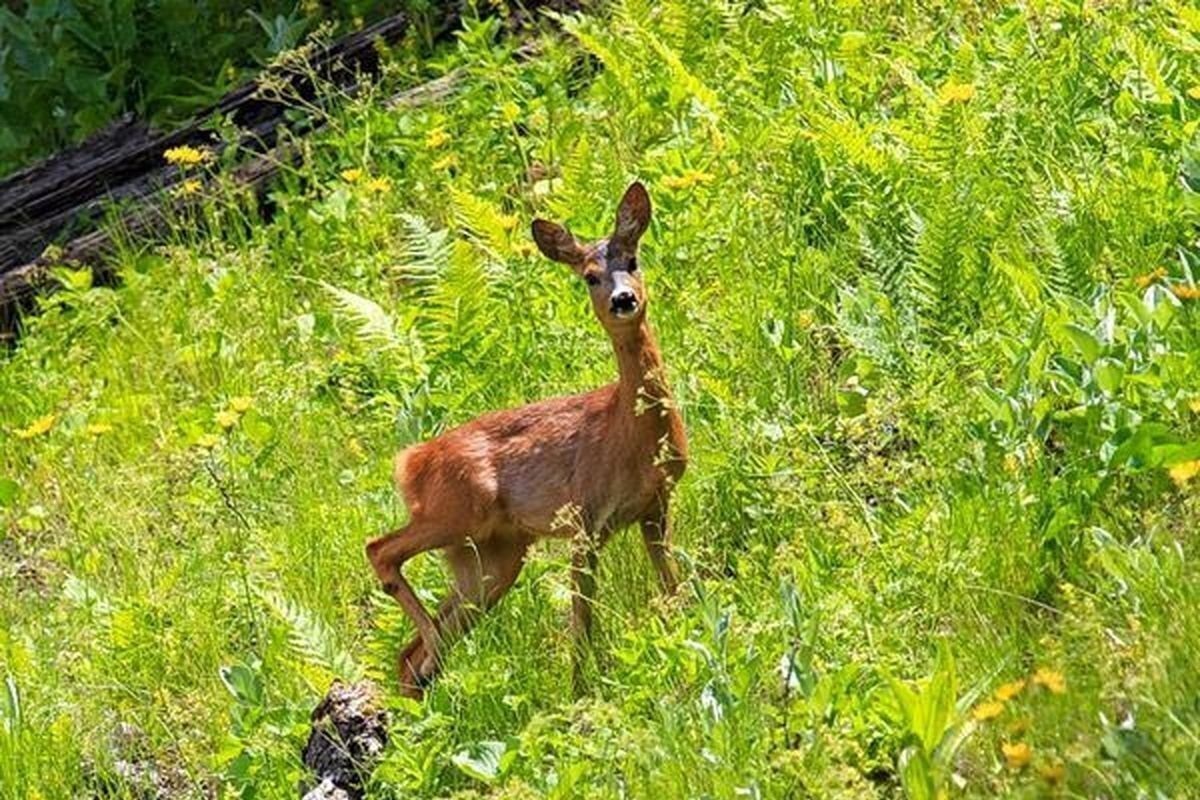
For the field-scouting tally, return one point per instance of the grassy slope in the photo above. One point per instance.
(904, 205)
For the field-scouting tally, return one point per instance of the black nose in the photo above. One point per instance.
(624, 301)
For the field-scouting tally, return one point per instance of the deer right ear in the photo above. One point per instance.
(556, 243)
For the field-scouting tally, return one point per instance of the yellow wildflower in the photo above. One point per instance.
(989, 709)
(446, 162)
(378, 185)
(1185, 292)
(1194, 405)
(352, 175)
(954, 92)
(37, 427)
(1016, 754)
(184, 156)
(227, 419)
(208, 441)
(510, 111)
(190, 186)
(1184, 471)
(688, 179)
(98, 428)
(1150, 277)
(436, 138)
(1194, 92)
(1053, 773)
(1010, 690)
(1051, 679)
(241, 404)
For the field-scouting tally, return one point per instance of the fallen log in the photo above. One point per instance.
(64, 198)
(349, 733)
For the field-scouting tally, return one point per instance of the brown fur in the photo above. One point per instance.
(578, 467)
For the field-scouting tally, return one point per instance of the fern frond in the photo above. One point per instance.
(483, 223)
(424, 251)
(310, 638)
(372, 323)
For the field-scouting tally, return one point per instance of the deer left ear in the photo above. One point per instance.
(633, 217)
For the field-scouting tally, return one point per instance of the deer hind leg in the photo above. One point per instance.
(388, 554)
(483, 573)
(656, 534)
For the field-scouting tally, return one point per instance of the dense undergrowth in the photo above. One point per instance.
(925, 280)
(68, 67)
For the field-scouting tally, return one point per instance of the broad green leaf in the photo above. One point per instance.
(1085, 342)
(1109, 373)
(481, 761)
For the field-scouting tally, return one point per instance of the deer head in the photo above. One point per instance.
(609, 266)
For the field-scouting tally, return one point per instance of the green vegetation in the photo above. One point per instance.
(67, 67)
(925, 280)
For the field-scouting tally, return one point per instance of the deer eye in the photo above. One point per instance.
(592, 279)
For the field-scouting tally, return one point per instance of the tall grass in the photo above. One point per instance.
(924, 279)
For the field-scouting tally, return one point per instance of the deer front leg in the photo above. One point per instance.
(584, 561)
(656, 534)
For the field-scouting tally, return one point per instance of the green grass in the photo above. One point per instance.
(934, 419)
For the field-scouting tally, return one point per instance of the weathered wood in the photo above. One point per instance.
(64, 198)
(349, 733)
(71, 189)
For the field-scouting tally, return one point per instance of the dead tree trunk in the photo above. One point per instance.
(62, 200)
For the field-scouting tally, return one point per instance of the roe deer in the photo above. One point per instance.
(577, 467)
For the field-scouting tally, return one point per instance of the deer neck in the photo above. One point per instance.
(643, 381)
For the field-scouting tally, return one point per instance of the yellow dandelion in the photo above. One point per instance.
(1184, 471)
(687, 179)
(227, 419)
(184, 156)
(1016, 754)
(448, 161)
(190, 186)
(1008, 691)
(1143, 281)
(436, 138)
(241, 404)
(38, 427)
(378, 185)
(1194, 405)
(954, 92)
(510, 111)
(1054, 773)
(98, 428)
(508, 221)
(352, 175)
(1051, 679)
(1185, 292)
(1194, 92)
(989, 709)
(208, 441)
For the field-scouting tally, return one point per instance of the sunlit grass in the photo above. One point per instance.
(937, 523)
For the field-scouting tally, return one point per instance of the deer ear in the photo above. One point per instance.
(556, 243)
(633, 217)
